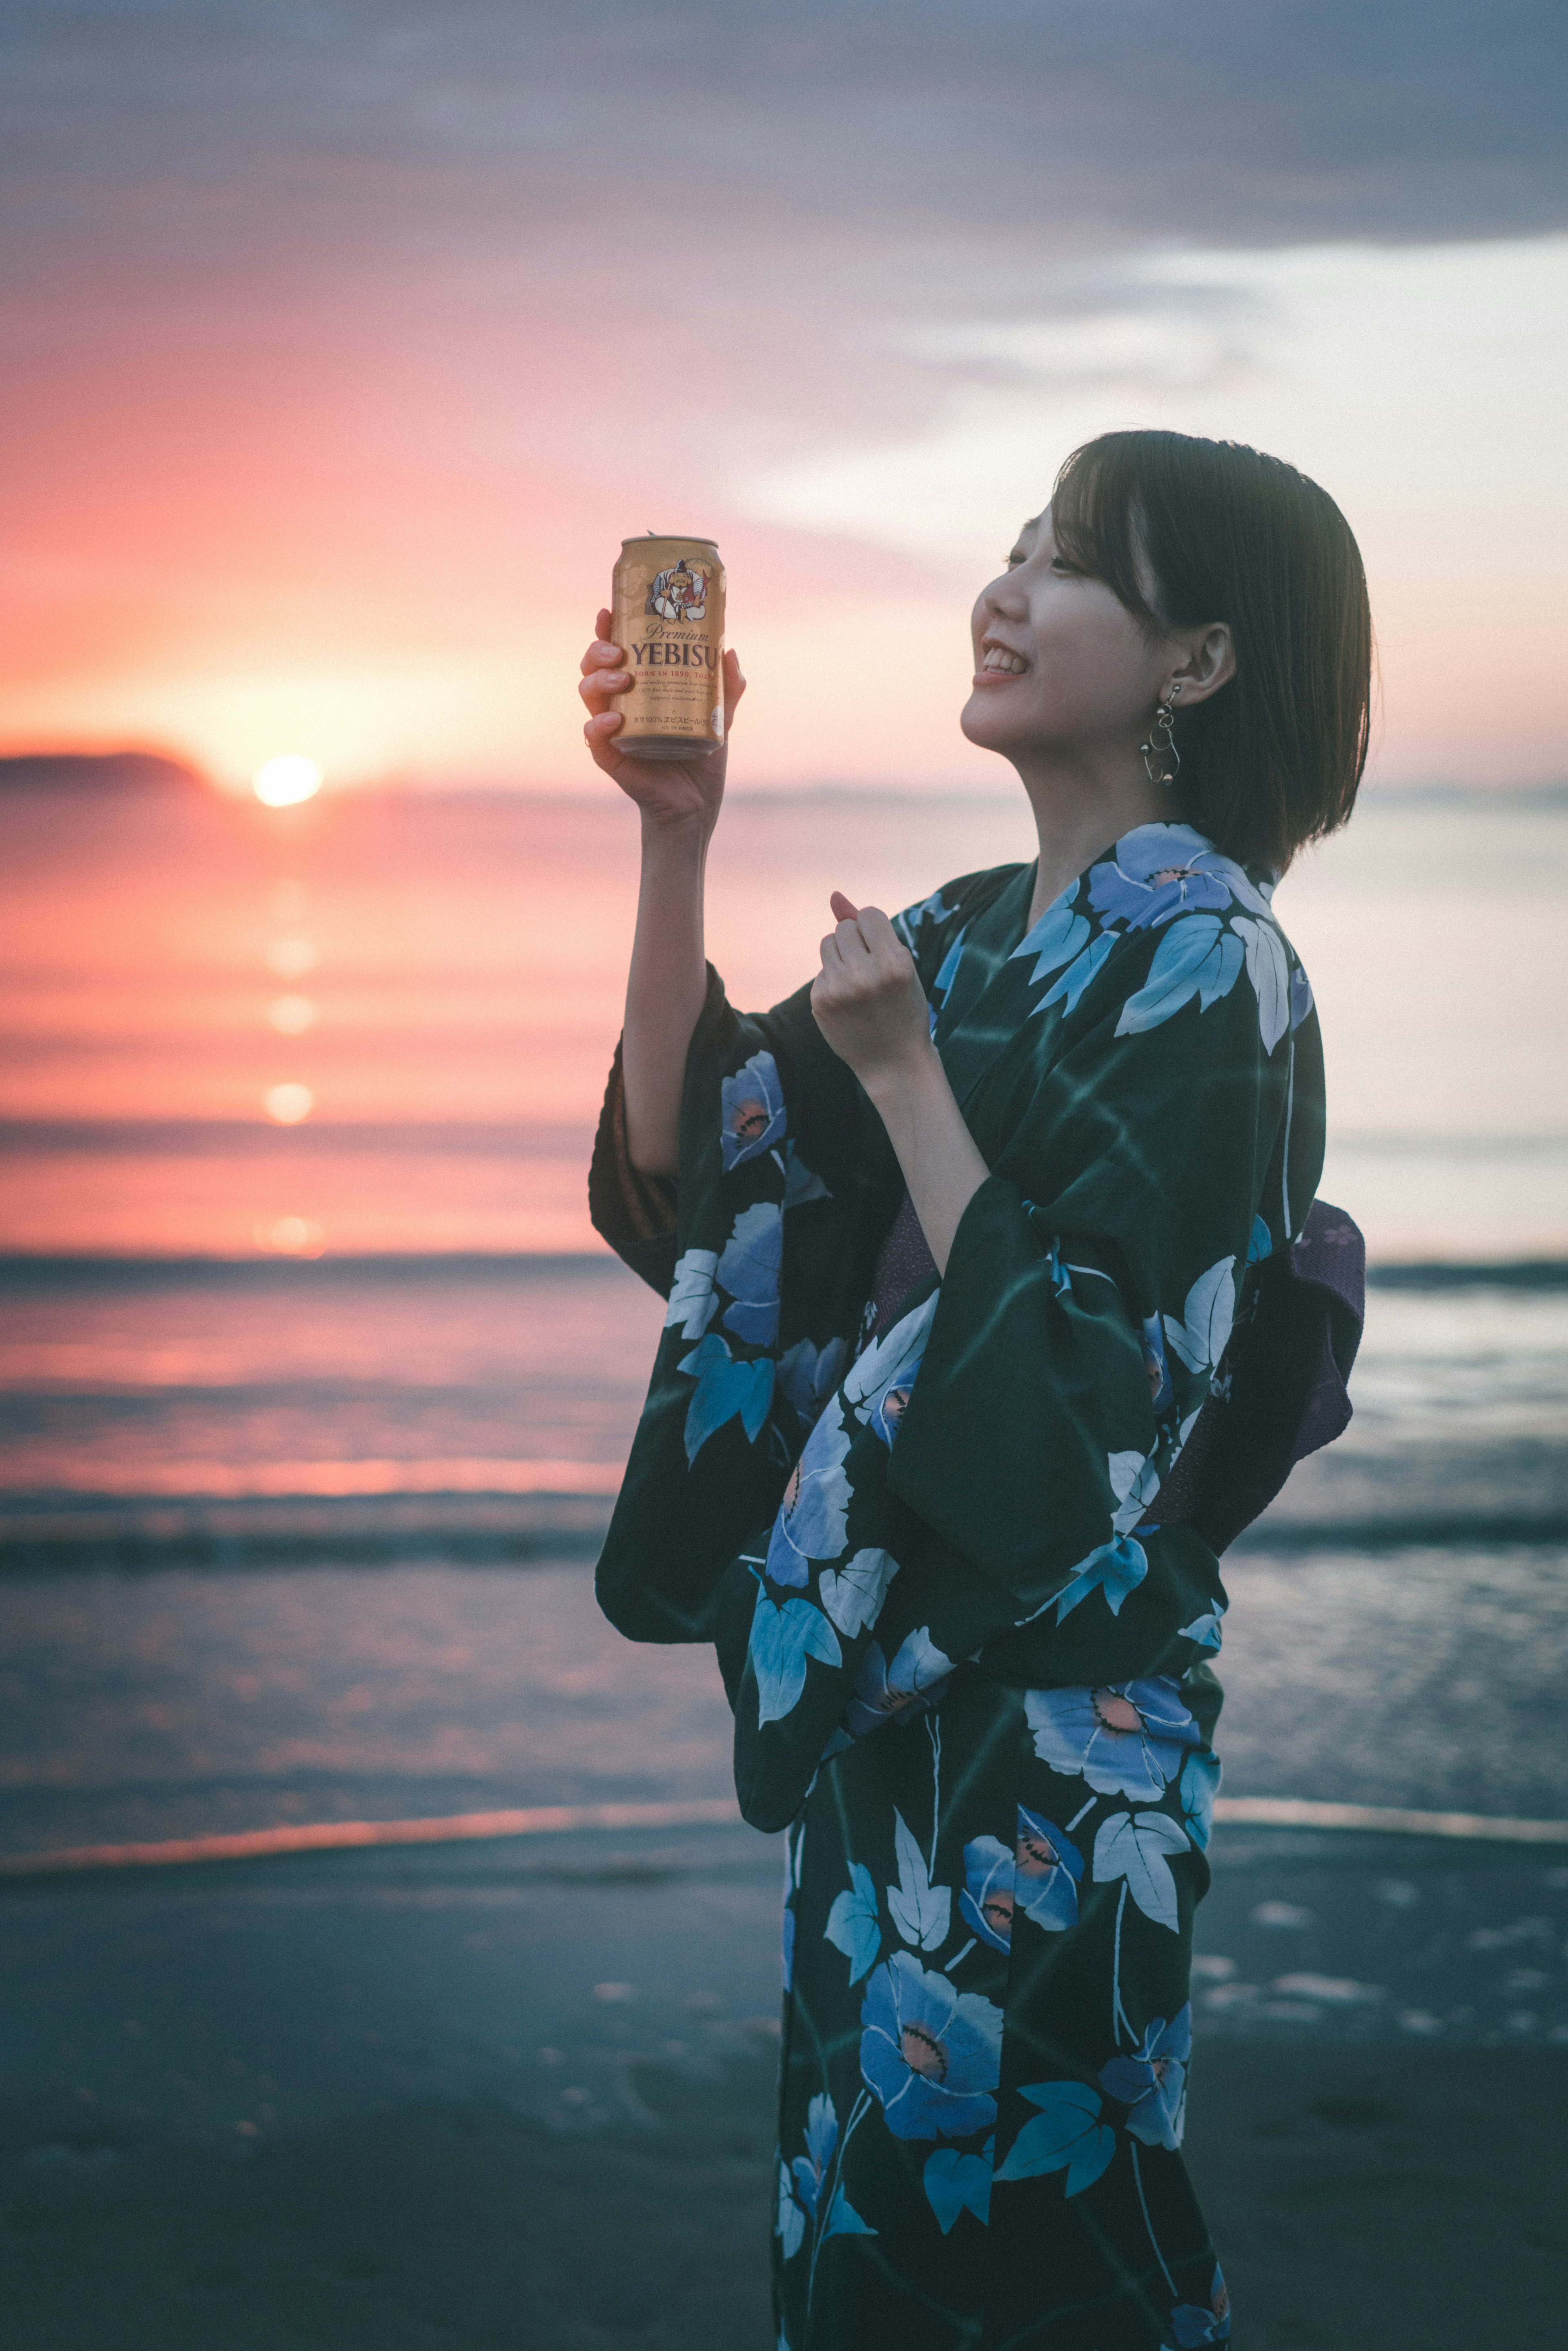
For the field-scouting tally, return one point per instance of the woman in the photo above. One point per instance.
(989, 1321)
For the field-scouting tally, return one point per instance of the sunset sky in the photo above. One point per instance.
(343, 343)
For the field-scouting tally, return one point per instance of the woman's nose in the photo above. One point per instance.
(1005, 596)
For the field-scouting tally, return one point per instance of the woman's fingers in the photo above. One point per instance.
(602, 653)
(599, 734)
(843, 912)
(603, 674)
(734, 687)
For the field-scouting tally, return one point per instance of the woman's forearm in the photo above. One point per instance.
(664, 991)
(941, 1164)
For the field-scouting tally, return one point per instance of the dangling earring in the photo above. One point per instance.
(1159, 749)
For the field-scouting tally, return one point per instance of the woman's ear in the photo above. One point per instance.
(1210, 662)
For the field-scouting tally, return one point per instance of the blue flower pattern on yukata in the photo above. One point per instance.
(884, 1693)
(1128, 1739)
(814, 1514)
(749, 1270)
(1192, 2327)
(931, 2054)
(1152, 2082)
(1161, 870)
(752, 1117)
(1039, 1877)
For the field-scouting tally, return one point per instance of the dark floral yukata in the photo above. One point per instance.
(956, 1544)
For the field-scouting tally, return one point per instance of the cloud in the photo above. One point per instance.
(1028, 121)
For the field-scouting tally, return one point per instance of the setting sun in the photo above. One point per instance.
(284, 781)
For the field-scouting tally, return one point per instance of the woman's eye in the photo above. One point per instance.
(1059, 563)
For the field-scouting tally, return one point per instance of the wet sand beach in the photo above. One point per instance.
(505, 2096)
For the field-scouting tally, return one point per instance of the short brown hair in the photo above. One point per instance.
(1273, 759)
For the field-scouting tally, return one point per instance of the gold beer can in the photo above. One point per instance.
(667, 609)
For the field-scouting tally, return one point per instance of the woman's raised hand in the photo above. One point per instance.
(867, 1000)
(674, 793)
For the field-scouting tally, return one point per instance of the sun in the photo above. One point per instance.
(284, 781)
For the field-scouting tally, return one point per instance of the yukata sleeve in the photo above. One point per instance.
(754, 1247)
(634, 1212)
(1084, 1314)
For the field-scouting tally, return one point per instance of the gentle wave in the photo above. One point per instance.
(24, 1269)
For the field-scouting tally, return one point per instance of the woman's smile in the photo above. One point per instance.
(999, 663)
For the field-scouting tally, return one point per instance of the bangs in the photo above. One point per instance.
(1094, 517)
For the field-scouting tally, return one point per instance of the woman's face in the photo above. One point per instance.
(1061, 668)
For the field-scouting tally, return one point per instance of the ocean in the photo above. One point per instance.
(316, 1383)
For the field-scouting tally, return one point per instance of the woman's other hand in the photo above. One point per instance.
(672, 794)
(867, 998)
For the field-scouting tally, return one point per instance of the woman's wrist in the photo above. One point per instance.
(908, 1076)
(676, 840)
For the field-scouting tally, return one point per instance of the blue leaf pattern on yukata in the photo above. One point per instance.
(1269, 969)
(692, 1303)
(1055, 939)
(948, 973)
(1261, 1244)
(921, 1912)
(1137, 1846)
(1198, 1788)
(1200, 1337)
(1206, 1630)
(956, 2183)
(1115, 1569)
(1300, 996)
(789, 2222)
(751, 1114)
(852, 1925)
(782, 1637)
(877, 1384)
(808, 1375)
(914, 919)
(1066, 2135)
(801, 1184)
(810, 2169)
(1134, 1481)
(1067, 990)
(853, 1595)
(724, 1388)
(1197, 956)
(749, 1270)
(843, 2220)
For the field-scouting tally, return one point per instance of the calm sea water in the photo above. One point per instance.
(314, 1400)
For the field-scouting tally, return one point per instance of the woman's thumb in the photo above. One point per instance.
(843, 910)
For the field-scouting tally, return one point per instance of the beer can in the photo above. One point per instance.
(667, 608)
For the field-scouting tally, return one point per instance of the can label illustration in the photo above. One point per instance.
(667, 603)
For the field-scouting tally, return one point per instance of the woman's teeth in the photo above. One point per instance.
(998, 657)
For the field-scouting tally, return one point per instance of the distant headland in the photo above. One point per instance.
(99, 771)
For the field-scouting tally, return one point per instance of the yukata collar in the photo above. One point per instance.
(989, 1002)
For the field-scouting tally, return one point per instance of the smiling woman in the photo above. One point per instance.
(1030, 1171)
